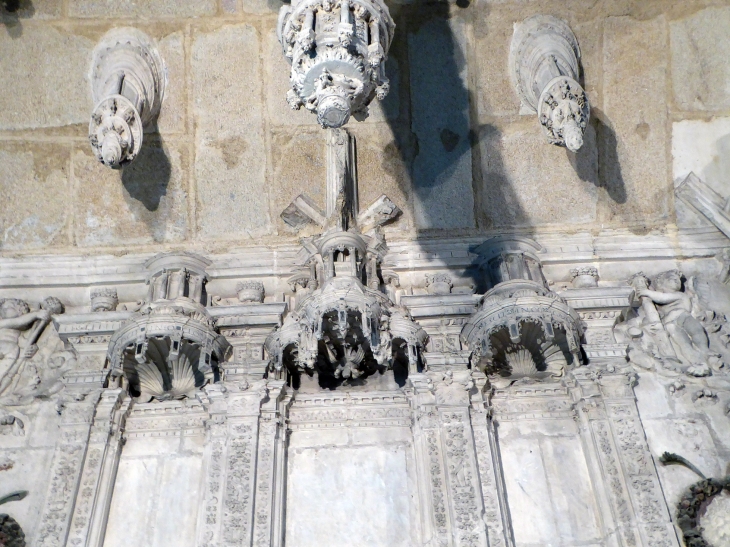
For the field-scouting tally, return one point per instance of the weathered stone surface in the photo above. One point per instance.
(38, 9)
(299, 167)
(526, 181)
(703, 148)
(700, 47)
(333, 478)
(140, 8)
(250, 6)
(146, 202)
(632, 128)
(45, 78)
(34, 195)
(442, 176)
(230, 158)
(172, 118)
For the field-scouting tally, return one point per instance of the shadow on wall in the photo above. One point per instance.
(146, 179)
(12, 11)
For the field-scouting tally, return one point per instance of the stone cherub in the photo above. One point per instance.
(15, 318)
(688, 339)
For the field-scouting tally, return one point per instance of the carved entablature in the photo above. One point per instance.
(128, 82)
(343, 325)
(521, 329)
(170, 347)
(337, 49)
(544, 66)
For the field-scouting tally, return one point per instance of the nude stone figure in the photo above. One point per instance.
(674, 306)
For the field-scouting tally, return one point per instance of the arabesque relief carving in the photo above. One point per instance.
(544, 66)
(337, 50)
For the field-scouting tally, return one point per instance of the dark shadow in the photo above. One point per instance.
(609, 166)
(147, 177)
(12, 11)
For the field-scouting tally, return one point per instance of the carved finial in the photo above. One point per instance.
(127, 84)
(584, 277)
(544, 58)
(104, 299)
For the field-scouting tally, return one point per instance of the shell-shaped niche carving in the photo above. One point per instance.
(165, 373)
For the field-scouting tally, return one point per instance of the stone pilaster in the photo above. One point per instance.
(66, 466)
(91, 511)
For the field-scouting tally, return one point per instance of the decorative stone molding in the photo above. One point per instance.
(344, 326)
(584, 277)
(250, 291)
(128, 83)
(337, 50)
(544, 66)
(104, 299)
(522, 329)
(698, 195)
(438, 283)
(170, 347)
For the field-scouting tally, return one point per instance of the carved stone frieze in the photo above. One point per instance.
(522, 329)
(337, 50)
(128, 83)
(544, 66)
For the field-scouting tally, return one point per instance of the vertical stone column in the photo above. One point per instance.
(630, 494)
(91, 511)
(269, 468)
(447, 460)
(490, 472)
(66, 465)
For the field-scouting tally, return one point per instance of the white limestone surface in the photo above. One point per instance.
(354, 496)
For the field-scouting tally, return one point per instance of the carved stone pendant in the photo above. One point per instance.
(337, 50)
(544, 68)
(128, 83)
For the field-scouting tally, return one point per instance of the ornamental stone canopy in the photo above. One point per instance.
(244, 303)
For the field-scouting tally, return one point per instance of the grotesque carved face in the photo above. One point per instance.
(12, 307)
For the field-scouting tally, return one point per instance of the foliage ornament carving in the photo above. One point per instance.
(170, 347)
(128, 82)
(11, 534)
(544, 66)
(337, 50)
(521, 329)
(344, 326)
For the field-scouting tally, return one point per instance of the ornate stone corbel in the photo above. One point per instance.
(544, 58)
(337, 49)
(128, 83)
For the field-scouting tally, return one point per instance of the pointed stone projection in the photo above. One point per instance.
(544, 67)
(128, 82)
(344, 326)
(522, 329)
(170, 347)
(337, 50)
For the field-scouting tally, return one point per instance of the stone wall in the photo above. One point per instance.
(448, 144)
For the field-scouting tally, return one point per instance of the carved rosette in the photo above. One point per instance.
(337, 50)
(521, 329)
(170, 347)
(544, 66)
(128, 82)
